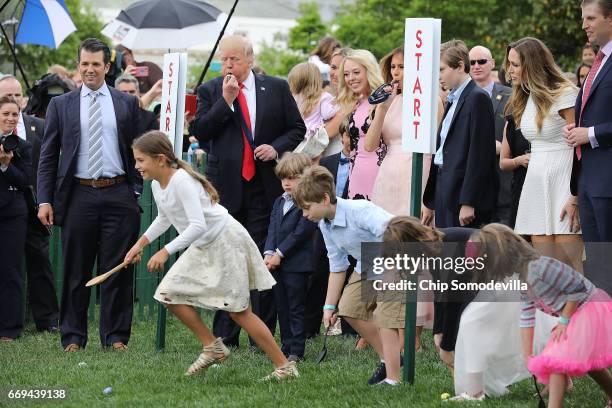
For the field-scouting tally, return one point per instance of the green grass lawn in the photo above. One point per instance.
(143, 377)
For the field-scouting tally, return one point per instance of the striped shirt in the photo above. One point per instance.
(551, 284)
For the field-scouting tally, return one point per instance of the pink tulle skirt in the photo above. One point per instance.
(587, 345)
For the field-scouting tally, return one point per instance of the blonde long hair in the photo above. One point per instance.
(306, 86)
(541, 78)
(155, 143)
(346, 97)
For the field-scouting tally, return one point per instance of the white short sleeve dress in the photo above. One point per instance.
(547, 184)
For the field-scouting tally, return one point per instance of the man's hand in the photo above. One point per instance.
(576, 136)
(265, 152)
(45, 214)
(157, 261)
(466, 215)
(274, 261)
(230, 89)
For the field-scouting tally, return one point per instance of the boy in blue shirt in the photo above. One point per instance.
(345, 224)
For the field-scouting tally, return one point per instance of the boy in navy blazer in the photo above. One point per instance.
(288, 256)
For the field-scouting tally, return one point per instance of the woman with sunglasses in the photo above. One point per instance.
(15, 167)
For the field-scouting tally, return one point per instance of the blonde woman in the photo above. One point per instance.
(360, 75)
(542, 102)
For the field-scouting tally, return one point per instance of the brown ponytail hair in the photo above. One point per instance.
(155, 143)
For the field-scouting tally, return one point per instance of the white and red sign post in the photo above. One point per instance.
(172, 114)
(419, 131)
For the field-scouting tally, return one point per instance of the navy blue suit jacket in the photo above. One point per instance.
(17, 175)
(278, 123)
(469, 155)
(63, 134)
(292, 235)
(593, 174)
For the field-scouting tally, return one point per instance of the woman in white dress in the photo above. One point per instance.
(542, 102)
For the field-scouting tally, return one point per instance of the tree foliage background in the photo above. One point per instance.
(378, 25)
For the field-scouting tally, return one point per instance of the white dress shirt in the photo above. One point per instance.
(112, 164)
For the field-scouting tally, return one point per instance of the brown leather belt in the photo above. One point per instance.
(101, 182)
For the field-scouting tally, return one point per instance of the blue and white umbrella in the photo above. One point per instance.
(44, 22)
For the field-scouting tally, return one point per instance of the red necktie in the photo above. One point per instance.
(587, 89)
(248, 160)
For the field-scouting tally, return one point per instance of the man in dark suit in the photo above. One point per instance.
(462, 183)
(40, 288)
(481, 65)
(92, 194)
(248, 121)
(129, 84)
(592, 138)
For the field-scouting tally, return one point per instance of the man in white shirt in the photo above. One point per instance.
(248, 121)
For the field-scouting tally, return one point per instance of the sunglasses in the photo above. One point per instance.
(479, 61)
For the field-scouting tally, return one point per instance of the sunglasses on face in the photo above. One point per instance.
(479, 61)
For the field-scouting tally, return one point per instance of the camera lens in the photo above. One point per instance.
(9, 143)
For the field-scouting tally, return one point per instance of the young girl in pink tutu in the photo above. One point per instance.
(581, 343)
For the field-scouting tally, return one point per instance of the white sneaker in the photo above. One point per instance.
(464, 396)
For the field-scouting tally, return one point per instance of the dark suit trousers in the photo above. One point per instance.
(290, 299)
(41, 290)
(102, 223)
(255, 217)
(596, 223)
(12, 246)
(447, 214)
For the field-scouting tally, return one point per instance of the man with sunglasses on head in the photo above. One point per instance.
(481, 65)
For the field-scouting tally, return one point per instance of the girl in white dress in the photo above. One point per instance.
(542, 102)
(221, 262)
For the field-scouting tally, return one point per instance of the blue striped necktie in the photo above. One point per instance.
(95, 137)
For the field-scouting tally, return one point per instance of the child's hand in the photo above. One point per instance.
(329, 317)
(274, 261)
(559, 332)
(134, 254)
(157, 261)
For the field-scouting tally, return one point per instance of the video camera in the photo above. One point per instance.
(45, 88)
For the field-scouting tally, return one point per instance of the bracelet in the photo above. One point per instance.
(564, 320)
(329, 307)
(514, 163)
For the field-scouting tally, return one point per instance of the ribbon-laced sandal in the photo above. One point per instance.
(211, 354)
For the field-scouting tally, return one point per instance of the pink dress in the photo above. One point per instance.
(364, 164)
(391, 189)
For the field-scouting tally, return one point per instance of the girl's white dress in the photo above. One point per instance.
(221, 264)
(488, 353)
